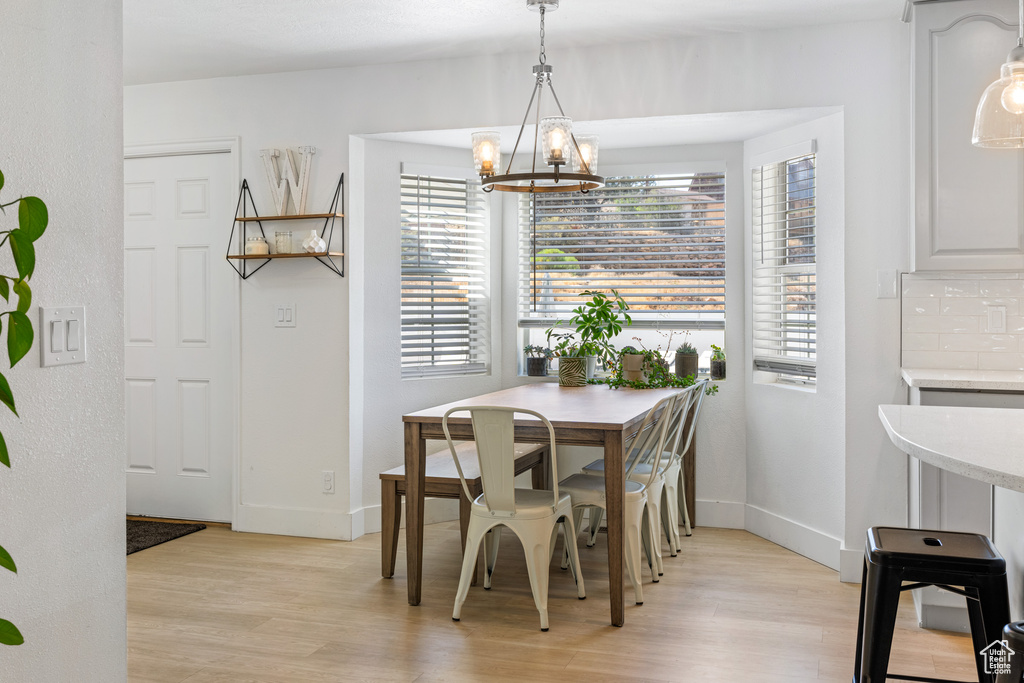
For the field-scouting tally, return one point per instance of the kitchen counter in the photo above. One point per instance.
(980, 380)
(986, 444)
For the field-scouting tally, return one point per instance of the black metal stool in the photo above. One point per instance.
(928, 558)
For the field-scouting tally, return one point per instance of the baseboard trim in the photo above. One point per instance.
(720, 514)
(284, 521)
(810, 543)
(851, 565)
(434, 510)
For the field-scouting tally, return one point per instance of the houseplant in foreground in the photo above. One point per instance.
(32, 219)
(595, 324)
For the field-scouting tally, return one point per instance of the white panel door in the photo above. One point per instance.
(179, 361)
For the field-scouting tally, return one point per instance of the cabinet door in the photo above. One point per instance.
(968, 203)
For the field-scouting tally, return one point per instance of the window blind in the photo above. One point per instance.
(784, 267)
(657, 239)
(444, 278)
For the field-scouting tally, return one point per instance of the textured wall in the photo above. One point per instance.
(62, 504)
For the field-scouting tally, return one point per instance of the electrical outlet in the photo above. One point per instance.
(328, 481)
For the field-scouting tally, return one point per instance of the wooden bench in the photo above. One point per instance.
(442, 481)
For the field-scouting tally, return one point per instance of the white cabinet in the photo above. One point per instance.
(968, 201)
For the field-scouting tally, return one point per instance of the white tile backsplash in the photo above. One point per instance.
(945, 321)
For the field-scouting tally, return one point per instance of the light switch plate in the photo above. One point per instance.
(284, 315)
(996, 319)
(885, 284)
(62, 336)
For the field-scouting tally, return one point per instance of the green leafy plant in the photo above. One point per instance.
(538, 352)
(717, 353)
(631, 351)
(32, 220)
(595, 324)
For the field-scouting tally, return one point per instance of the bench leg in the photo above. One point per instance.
(540, 474)
(390, 522)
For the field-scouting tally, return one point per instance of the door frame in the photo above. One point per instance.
(231, 146)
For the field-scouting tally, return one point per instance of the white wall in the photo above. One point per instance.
(795, 435)
(62, 503)
(863, 68)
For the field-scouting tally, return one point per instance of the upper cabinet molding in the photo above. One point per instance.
(968, 201)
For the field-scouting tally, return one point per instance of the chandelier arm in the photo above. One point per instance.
(586, 166)
(522, 127)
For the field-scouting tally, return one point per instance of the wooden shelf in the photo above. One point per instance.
(253, 219)
(240, 262)
(300, 255)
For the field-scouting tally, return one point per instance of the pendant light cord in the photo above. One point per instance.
(544, 56)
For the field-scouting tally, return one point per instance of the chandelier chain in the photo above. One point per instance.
(543, 56)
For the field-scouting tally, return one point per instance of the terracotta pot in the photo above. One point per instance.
(686, 364)
(572, 371)
(537, 367)
(633, 367)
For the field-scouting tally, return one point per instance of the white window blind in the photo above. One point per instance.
(444, 276)
(657, 239)
(784, 268)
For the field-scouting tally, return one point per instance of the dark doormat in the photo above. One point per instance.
(144, 534)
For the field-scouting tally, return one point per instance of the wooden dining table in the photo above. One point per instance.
(591, 415)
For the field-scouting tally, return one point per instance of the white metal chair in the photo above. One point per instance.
(587, 490)
(532, 515)
(675, 477)
(657, 503)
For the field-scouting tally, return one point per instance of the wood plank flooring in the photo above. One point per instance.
(220, 607)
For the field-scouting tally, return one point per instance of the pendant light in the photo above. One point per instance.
(1000, 118)
(572, 160)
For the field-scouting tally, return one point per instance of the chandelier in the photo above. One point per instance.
(1000, 118)
(559, 146)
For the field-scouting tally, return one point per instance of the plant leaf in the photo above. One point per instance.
(1, 179)
(24, 253)
(6, 397)
(32, 217)
(5, 457)
(6, 561)
(19, 336)
(24, 293)
(5, 289)
(9, 634)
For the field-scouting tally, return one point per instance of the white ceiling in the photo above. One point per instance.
(187, 39)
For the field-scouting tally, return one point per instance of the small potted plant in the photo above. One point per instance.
(686, 360)
(537, 360)
(572, 360)
(717, 362)
(634, 364)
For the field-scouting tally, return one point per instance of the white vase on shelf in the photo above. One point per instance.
(314, 244)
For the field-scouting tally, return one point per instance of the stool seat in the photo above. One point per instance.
(935, 550)
(963, 563)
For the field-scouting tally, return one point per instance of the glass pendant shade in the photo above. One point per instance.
(1000, 118)
(556, 136)
(585, 160)
(487, 152)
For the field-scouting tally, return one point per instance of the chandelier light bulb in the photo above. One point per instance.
(486, 152)
(1013, 95)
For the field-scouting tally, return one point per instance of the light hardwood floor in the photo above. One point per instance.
(218, 606)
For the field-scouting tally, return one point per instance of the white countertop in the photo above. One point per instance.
(986, 444)
(983, 380)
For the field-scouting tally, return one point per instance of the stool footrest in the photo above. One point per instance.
(925, 679)
(941, 586)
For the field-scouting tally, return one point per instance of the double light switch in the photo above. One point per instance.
(63, 335)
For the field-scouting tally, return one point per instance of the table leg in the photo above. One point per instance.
(415, 467)
(615, 495)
